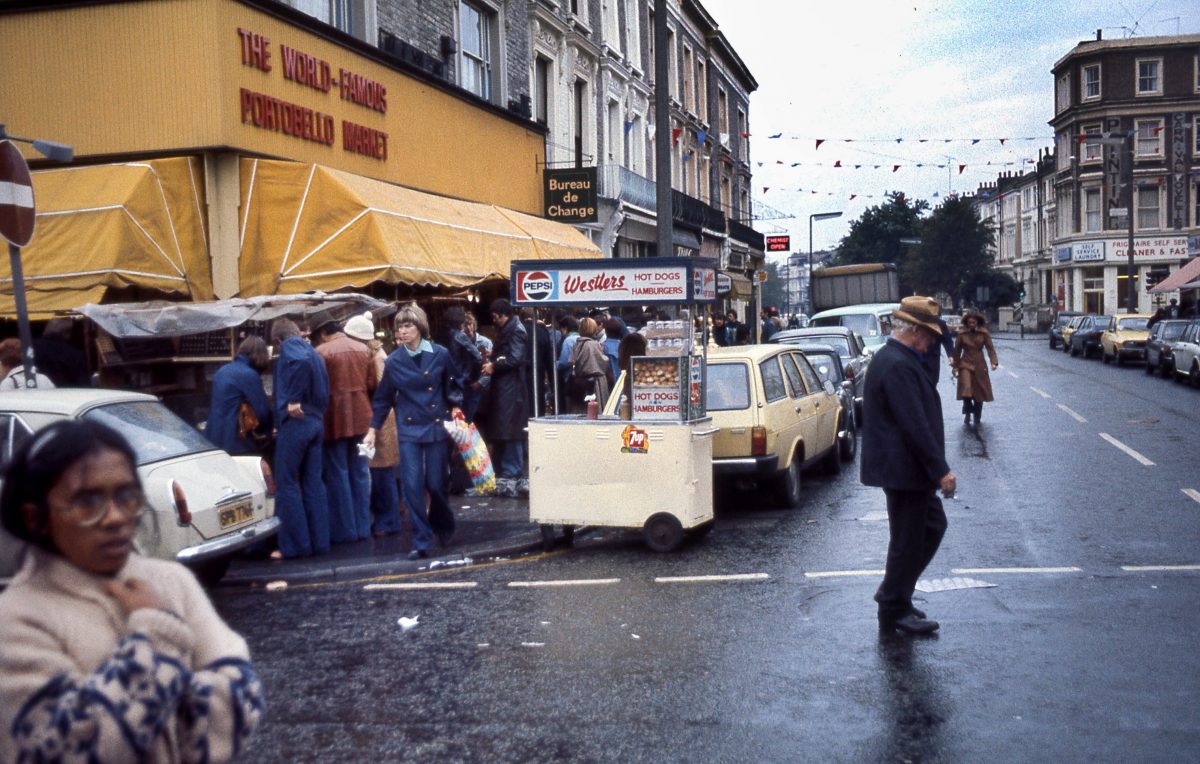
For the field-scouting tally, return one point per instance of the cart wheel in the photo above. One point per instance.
(663, 532)
(547, 537)
(569, 535)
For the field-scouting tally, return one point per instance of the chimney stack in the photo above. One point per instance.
(1099, 35)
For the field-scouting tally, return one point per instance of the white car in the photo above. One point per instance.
(205, 504)
(1186, 351)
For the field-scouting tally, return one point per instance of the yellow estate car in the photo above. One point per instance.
(1125, 338)
(775, 415)
(1070, 328)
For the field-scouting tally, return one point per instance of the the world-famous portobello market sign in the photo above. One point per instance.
(645, 281)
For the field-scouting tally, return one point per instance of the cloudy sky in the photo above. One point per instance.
(872, 71)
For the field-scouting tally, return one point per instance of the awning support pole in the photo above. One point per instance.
(18, 279)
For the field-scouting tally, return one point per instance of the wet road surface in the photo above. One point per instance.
(759, 642)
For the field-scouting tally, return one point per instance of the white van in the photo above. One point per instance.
(872, 321)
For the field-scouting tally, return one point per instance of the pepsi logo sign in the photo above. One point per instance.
(535, 285)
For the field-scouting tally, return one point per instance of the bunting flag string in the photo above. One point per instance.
(817, 142)
(962, 166)
(852, 196)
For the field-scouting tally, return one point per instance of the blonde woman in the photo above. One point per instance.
(385, 493)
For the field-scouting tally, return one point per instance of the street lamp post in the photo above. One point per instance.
(811, 218)
(1126, 143)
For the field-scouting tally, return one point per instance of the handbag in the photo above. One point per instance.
(248, 425)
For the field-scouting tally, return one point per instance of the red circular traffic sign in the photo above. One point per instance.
(16, 196)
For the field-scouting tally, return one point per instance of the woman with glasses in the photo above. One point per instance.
(106, 655)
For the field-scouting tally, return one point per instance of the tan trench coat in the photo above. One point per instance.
(974, 381)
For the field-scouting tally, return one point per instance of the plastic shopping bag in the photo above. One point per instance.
(474, 454)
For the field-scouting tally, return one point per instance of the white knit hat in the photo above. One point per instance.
(361, 327)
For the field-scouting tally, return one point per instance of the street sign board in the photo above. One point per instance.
(779, 243)
(724, 284)
(16, 196)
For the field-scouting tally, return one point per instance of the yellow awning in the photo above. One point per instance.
(309, 227)
(136, 224)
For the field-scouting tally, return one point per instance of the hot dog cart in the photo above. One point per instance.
(652, 470)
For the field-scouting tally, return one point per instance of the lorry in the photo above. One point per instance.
(841, 285)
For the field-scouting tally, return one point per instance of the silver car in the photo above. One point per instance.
(206, 505)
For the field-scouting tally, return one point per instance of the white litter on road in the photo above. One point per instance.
(276, 586)
(635, 636)
(450, 563)
(407, 624)
(950, 584)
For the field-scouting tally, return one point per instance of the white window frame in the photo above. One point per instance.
(1092, 219)
(1154, 192)
(616, 133)
(1093, 151)
(1158, 77)
(689, 76)
(742, 142)
(672, 67)
(1196, 73)
(610, 16)
(1154, 128)
(484, 63)
(702, 89)
(722, 110)
(578, 10)
(1083, 83)
(1196, 135)
(1062, 93)
(633, 34)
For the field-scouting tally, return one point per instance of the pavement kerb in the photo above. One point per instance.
(509, 547)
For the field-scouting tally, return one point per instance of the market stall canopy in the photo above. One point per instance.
(1187, 277)
(178, 319)
(136, 224)
(311, 227)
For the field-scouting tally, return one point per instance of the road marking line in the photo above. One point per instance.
(566, 582)
(1134, 454)
(1155, 568)
(987, 571)
(701, 579)
(1042, 393)
(837, 573)
(426, 585)
(1072, 414)
(1014, 376)
(1192, 494)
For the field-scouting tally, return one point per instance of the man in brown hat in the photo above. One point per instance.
(904, 452)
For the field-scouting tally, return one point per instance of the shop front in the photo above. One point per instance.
(234, 149)
(1091, 276)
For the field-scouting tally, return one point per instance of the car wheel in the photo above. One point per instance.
(662, 532)
(849, 445)
(1149, 367)
(210, 572)
(1175, 375)
(1103, 356)
(831, 463)
(786, 489)
(1165, 370)
(1117, 357)
(1053, 344)
(1074, 351)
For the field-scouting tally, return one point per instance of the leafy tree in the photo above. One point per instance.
(773, 288)
(875, 237)
(1002, 289)
(954, 252)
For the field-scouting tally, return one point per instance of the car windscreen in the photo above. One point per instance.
(1173, 331)
(840, 344)
(728, 387)
(1133, 324)
(825, 367)
(155, 432)
(864, 323)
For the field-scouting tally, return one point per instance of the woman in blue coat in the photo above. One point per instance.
(424, 387)
(237, 382)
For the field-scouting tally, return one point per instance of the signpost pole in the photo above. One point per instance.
(18, 280)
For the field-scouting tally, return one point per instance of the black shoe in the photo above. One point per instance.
(967, 419)
(909, 624)
(418, 554)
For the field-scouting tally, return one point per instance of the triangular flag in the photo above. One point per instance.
(922, 140)
(1002, 140)
(628, 125)
(819, 142)
(766, 189)
(935, 194)
(975, 140)
(838, 163)
(1158, 130)
(701, 135)
(853, 196)
(961, 167)
(744, 135)
(895, 167)
(759, 164)
(675, 133)
(899, 140)
(795, 164)
(778, 161)
(858, 166)
(776, 135)
(687, 156)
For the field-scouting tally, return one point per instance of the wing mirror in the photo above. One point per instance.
(829, 388)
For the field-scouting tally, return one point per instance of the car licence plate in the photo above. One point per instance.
(236, 514)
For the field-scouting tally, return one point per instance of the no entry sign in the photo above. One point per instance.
(16, 196)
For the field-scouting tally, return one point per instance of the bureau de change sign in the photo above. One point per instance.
(570, 195)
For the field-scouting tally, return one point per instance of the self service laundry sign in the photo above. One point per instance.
(613, 282)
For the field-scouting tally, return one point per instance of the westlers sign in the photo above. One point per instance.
(570, 195)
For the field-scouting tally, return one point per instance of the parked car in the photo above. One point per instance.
(1056, 328)
(1158, 346)
(872, 321)
(205, 504)
(1186, 353)
(828, 365)
(1070, 328)
(1086, 337)
(1124, 338)
(775, 417)
(849, 346)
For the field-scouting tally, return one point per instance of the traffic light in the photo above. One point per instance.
(1021, 294)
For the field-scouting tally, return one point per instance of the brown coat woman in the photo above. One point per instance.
(974, 382)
